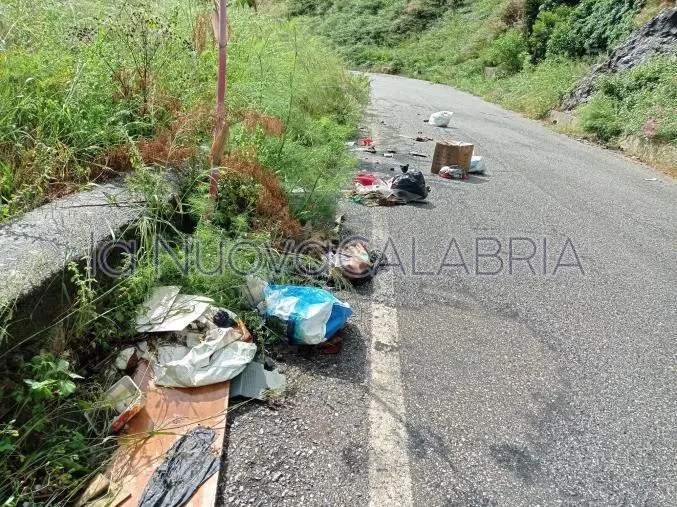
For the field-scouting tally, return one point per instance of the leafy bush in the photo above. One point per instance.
(69, 104)
(508, 51)
(546, 24)
(595, 27)
(600, 116)
(640, 102)
(513, 12)
(46, 442)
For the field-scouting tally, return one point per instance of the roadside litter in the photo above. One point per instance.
(452, 173)
(372, 190)
(452, 154)
(410, 187)
(423, 139)
(365, 141)
(418, 154)
(477, 165)
(127, 400)
(388, 155)
(441, 118)
(305, 315)
(189, 463)
(197, 351)
(255, 382)
(101, 492)
(352, 261)
(152, 435)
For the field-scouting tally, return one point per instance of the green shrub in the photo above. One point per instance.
(596, 26)
(601, 116)
(546, 24)
(640, 102)
(508, 51)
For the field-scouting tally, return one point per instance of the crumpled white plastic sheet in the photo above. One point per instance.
(220, 356)
(206, 357)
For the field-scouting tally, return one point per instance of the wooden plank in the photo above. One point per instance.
(168, 414)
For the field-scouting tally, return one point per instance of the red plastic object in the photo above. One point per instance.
(365, 179)
(365, 141)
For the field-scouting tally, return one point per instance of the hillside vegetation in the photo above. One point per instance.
(92, 90)
(525, 54)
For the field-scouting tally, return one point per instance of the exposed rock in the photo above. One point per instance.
(658, 36)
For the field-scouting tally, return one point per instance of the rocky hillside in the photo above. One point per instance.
(657, 37)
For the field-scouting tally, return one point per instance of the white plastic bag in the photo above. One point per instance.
(477, 165)
(440, 119)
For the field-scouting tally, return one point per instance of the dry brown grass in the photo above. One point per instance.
(175, 145)
(271, 125)
(273, 207)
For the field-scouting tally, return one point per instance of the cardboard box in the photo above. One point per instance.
(452, 153)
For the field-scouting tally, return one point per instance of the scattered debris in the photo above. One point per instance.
(124, 360)
(220, 356)
(410, 187)
(441, 118)
(167, 415)
(391, 150)
(305, 315)
(255, 381)
(373, 191)
(452, 173)
(388, 155)
(423, 139)
(353, 261)
(207, 344)
(366, 179)
(650, 179)
(101, 492)
(167, 311)
(365, 141)
(189, 463)
(477, 165)
(333, 346)
(452, 153)
(350, 144)
(404, 168)
(127, 400)
(339, 221)
(418, 154)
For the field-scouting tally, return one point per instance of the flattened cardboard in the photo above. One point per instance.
(168, 414)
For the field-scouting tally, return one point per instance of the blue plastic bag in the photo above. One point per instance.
(306, 315)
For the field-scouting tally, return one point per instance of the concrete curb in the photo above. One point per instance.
(38, 246)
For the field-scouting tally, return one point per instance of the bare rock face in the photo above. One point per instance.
(658, 36)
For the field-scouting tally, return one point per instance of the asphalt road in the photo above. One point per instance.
(546, 382)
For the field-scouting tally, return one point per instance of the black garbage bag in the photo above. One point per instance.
(410, 186)
(189, 462)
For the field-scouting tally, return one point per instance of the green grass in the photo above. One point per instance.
(75, 84)
(641, 102)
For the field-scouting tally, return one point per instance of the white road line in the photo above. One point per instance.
(389, 475)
